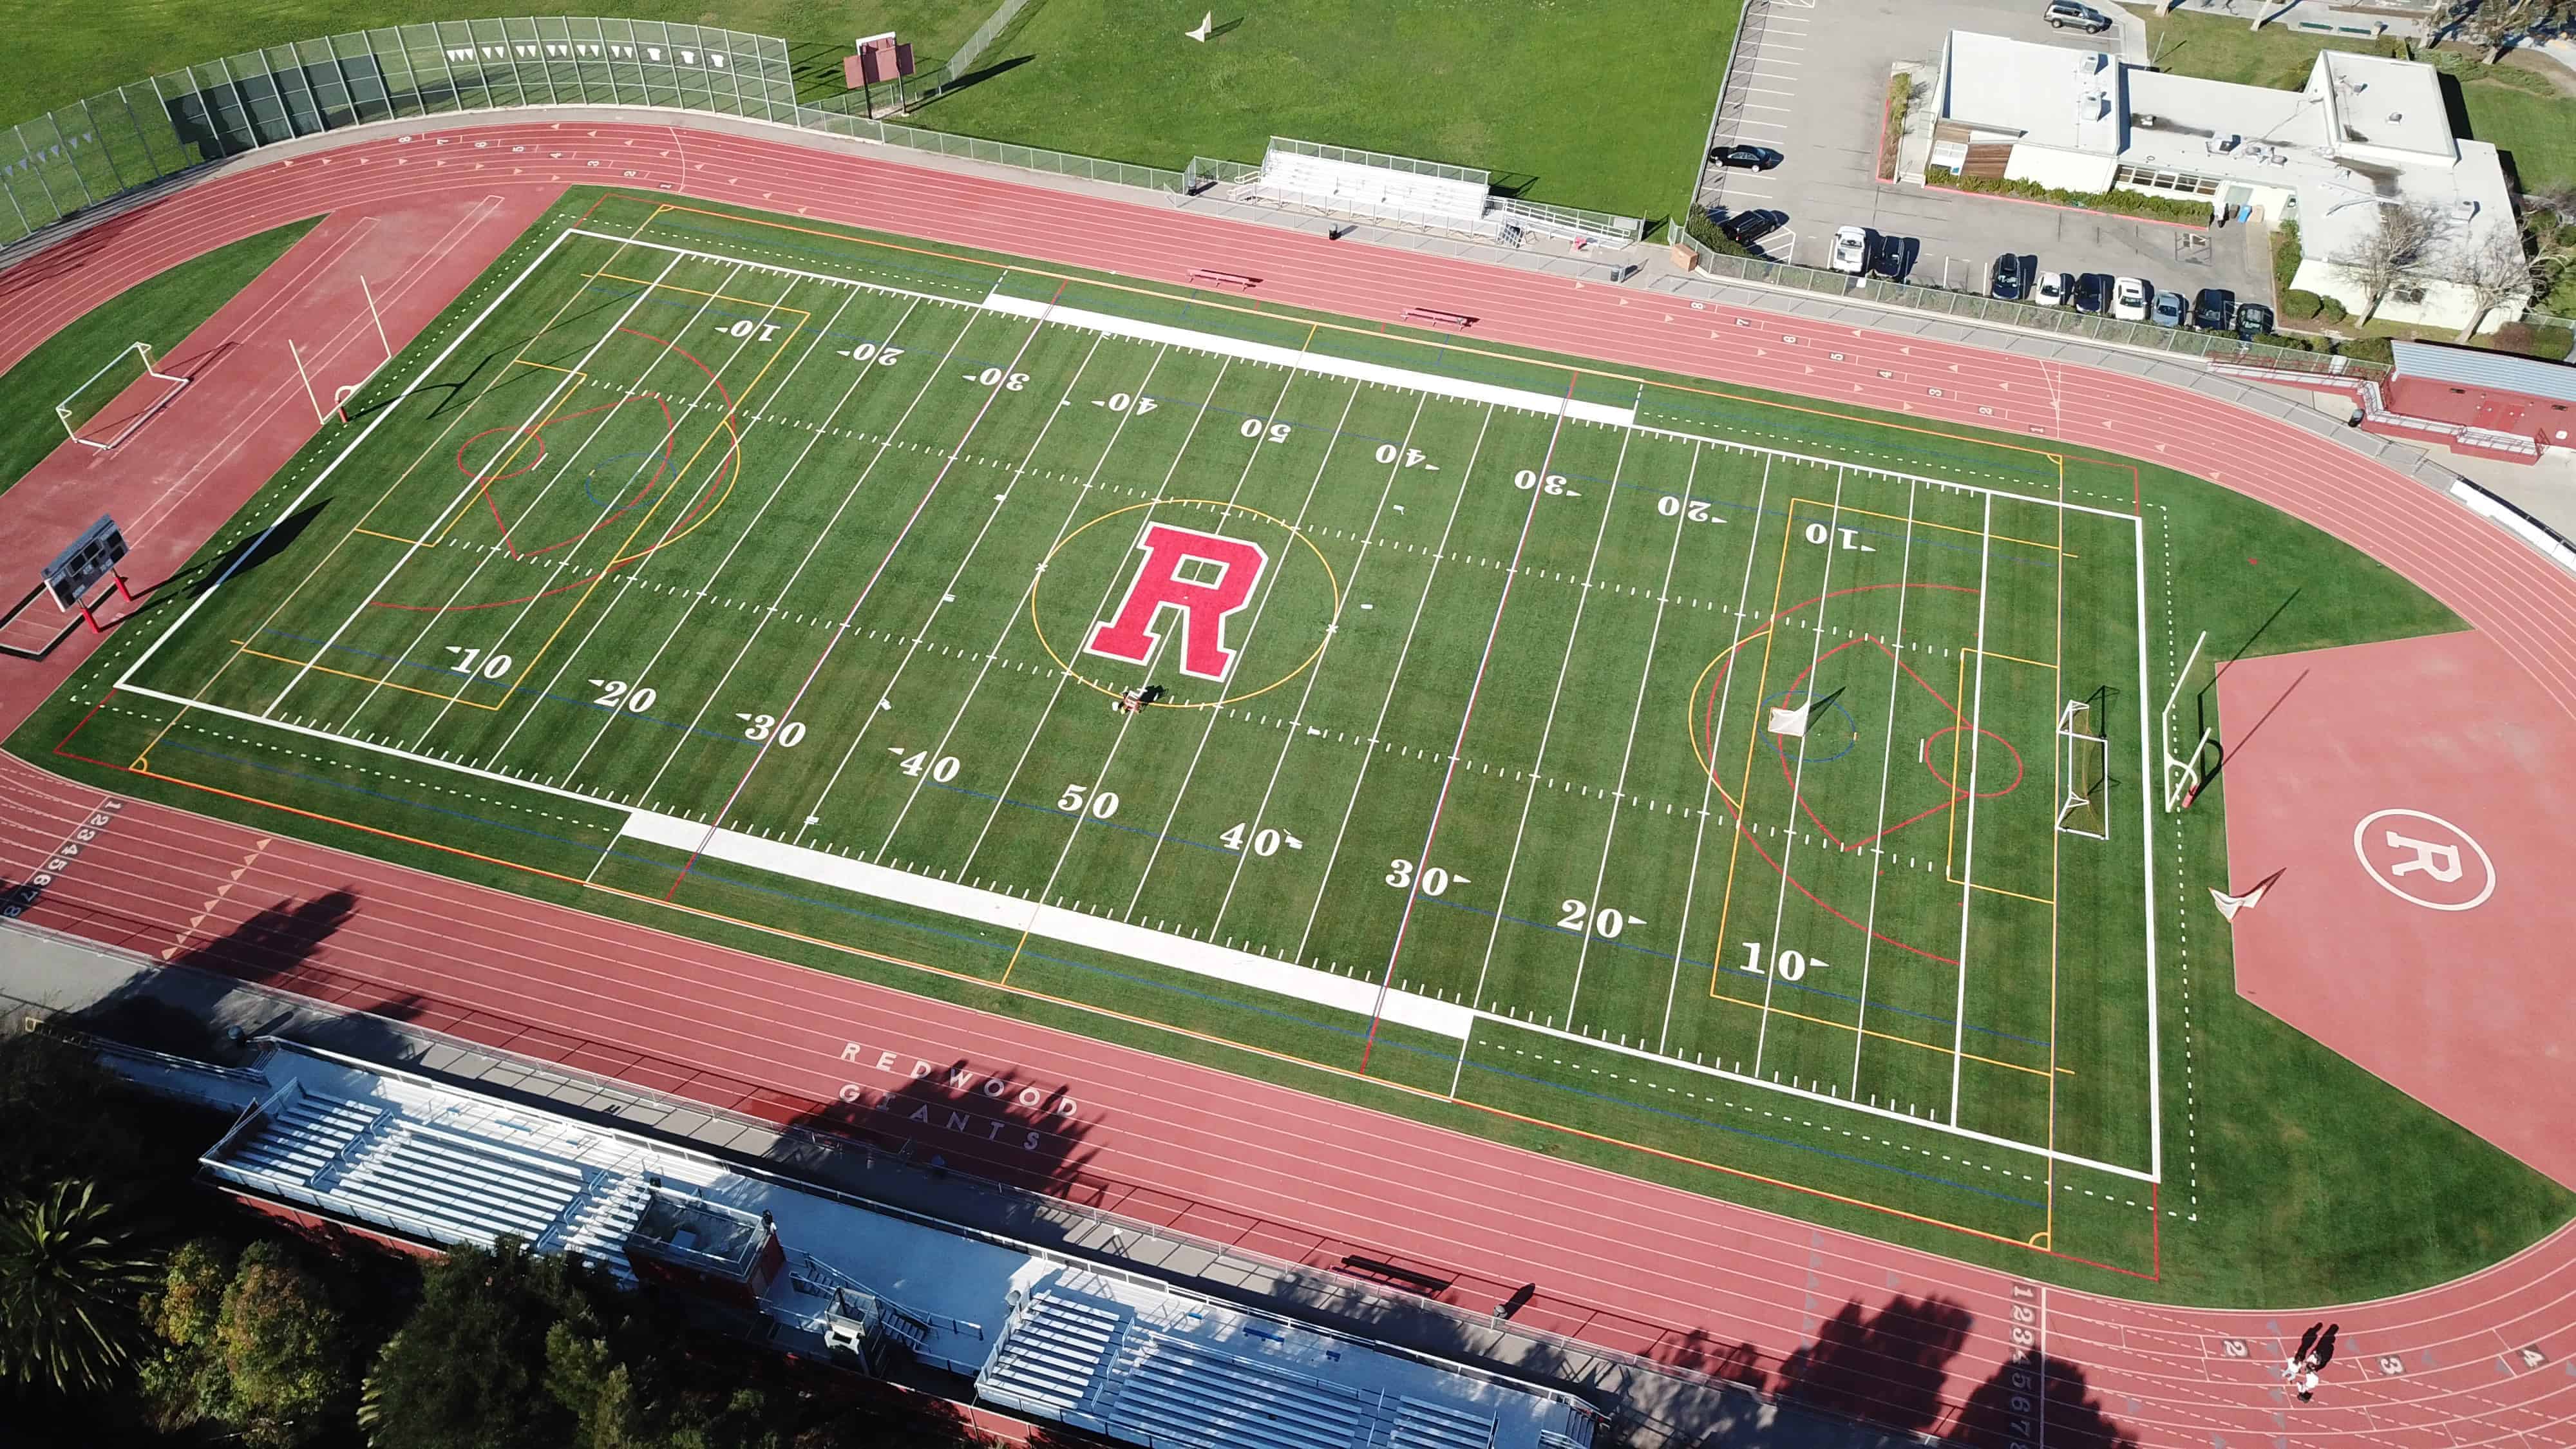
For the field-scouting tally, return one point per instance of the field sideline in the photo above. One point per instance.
(709, 564)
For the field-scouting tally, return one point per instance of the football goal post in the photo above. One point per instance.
(2083, 773)
(132, 364)
(2191, 691)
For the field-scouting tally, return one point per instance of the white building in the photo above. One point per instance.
(2365, 132)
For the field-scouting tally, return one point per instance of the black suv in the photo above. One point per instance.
(1747, 227)
(2013, 277)
(2213, 309)
(2092, 293)
(1887, 256)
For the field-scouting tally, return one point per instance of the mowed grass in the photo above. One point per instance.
(163, 311)
(1592, 692)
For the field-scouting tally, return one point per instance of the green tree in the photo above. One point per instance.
(66, 1117)
(464, 1371)
(284, 1347)
(185, 1383)
(71, 1281)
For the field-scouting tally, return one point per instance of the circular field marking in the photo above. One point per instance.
(1037, 616)
(1935, 770)
(1851, 735)
(2425, 852)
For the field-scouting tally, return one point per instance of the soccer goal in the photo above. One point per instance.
(2191, 689)
(2084, 772)
(132, 364)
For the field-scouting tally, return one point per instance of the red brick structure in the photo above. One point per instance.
(2488, 392)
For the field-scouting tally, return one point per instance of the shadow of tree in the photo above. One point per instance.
(2002, 1411)
(1885, 1368)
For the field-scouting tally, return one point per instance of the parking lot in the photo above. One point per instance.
(1810, 82)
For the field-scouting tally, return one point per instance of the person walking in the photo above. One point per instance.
(2308, 1386)
(2307, 1345)
(2324, 1353)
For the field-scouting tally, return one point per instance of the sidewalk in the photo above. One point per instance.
(188, 1013)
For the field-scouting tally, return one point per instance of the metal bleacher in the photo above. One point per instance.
(1084, 1361)
(1337, 181)
(428, 1180)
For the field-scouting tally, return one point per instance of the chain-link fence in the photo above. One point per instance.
(64, 163)
(1972, 307)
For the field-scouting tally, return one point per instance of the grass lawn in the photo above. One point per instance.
(2537, 133)
(162, 311)
(73, 49)
(568, 635)
(1589, 103)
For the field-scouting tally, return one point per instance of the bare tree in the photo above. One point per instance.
(2392, 251)
(2493, 271)
(2495, 25)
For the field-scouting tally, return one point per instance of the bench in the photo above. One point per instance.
(1204, 277)
(1434, 317)
(1379, 1268)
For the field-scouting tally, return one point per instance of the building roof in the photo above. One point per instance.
(2386, 103)
(2050, 95)
(2477, 367)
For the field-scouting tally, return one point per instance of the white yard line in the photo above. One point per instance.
(2147, 863)
(1708, 788)
(832, 641)
(1628, 752)
(1297, 725)
(920, 635)
(639, 678)
(1144, 520)
(1968, 855)
(471, 483)
(1394, 680)
(1010, 621)
(1798, 774)
(1546, 735)
(493, 552)
(1269, 587)
(1886, 766)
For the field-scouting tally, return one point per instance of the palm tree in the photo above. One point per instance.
(71, 1276)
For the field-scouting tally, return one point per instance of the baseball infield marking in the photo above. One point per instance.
(2437, 860)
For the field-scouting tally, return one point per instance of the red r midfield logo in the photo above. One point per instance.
(1204, 603)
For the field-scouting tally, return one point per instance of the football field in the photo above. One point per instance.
(1473, 722)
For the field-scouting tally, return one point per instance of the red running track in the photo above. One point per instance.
(1679, 1276)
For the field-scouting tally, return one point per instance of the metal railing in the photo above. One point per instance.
(79, 156)
(1972, 307)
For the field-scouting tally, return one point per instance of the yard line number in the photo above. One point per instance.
(616, 692)
(1258, 427)
(787, 733)
(871, 352)
(1264, 842)
(1432, 880)
(1606, 922)
(475, 661)
(1081, 799)
(1689, 510)
(1787, 965)
(941, 770)
(1002, 378)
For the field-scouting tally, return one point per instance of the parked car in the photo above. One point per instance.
(2213, 309)
(2069, 15)
(2092, 293)
(1851, 250)
(2253, 320)
(2130, 297)
(1744, 158)
(2012, 277)
(1747, 227)
(2054, 289)
(2171, 309)
(1887, 256)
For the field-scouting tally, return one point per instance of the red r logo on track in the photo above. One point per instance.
(1176, 575)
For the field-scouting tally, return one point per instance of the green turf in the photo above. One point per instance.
(162, 311)
(2538, 133)
(1591, 693)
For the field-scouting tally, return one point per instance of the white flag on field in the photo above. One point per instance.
(2229, 905)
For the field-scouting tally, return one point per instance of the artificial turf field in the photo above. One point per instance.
(764, 570)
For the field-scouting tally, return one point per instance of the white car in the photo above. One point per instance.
(2130, 299)
(1851, 250)
(2055, 289)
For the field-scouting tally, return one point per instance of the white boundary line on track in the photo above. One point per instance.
(1226, 347)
